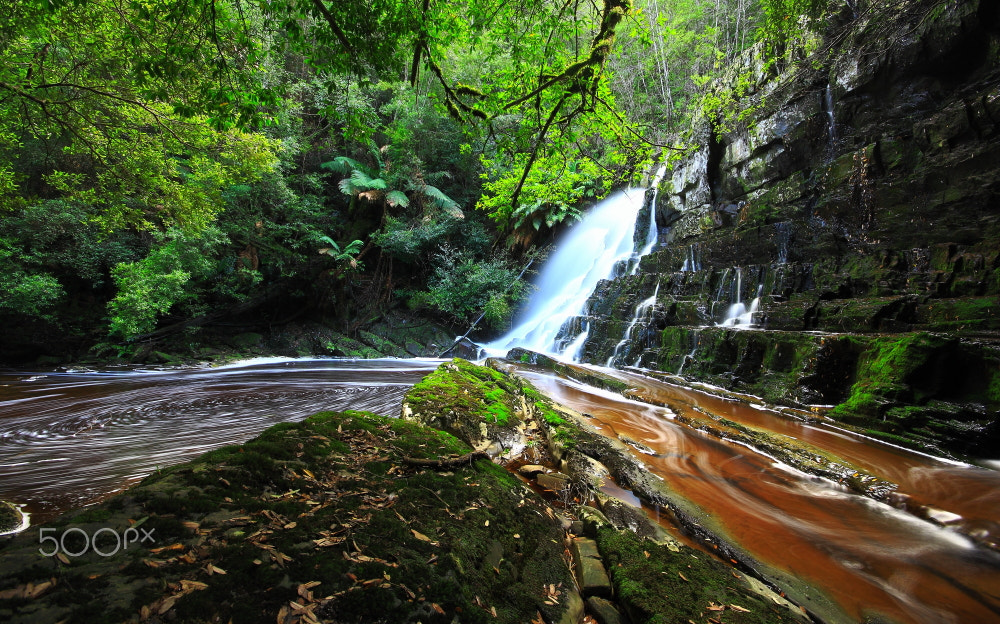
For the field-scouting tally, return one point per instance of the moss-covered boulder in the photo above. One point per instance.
(10, 517)
(477, 404)
(657, 584)
(327, 519)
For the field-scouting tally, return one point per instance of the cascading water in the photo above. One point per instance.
(692, 261)
(652, 233)
(739, 314)
(640, 314)
(831, 117)
(590, 252)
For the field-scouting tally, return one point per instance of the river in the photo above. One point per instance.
(67, 439)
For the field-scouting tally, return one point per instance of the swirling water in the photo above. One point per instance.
(67, 439)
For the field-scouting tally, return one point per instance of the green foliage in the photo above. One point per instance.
(132, 122)
(150, 287)
(785, 21)
(550, 194)
(28, 294)
(463, 286)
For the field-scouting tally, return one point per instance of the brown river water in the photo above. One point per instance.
(67, 439)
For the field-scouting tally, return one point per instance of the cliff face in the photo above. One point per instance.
(859, 205)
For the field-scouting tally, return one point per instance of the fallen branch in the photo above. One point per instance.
(450, 462)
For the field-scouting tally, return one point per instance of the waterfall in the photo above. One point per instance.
(695, 341)
(640, 313)
(691, 259)
(832, 122)
(589, 252)
(652, 234)
(739, 314)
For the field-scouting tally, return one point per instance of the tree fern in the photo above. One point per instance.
(343, 164)
(397, 198)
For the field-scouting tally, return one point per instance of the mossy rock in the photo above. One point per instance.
(10, 517)
(661, 584)
(475, 403)
(327, 514)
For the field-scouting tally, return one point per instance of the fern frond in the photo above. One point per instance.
(365, 182)
(343, 164)
(397, 198)
(347, 187)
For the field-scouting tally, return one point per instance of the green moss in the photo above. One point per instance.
(461, 385)
(403, 539)
(658, 585)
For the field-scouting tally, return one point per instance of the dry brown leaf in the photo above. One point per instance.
(493, 611)
(190, 586)
(41, 588)
(714, 607)
(682, 576)
(166, 605)
(282, 614)
(420, 536)
(63, 558)
(290, 525)
(739, 608)
(175, 546)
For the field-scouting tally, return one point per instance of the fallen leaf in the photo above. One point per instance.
(166, 604)
(190, 586)
(63, 558)
(739, 608)
(420, 536)
(437, 608)
(682, 576)
(714, 607)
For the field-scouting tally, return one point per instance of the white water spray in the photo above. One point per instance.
(739, 314)
(587, 254)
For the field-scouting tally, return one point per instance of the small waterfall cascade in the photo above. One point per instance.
(591, 251)
(652, 234)
(695, 343)
(692, 260)
(740, 314)
(783, 238)
(641, 312)
(828, 107)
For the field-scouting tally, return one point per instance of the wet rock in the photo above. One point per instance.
(530, 470)
(476, 404)
(590, 572)
(10, 517)
(593, 519)
(555, 481)
(604, 611)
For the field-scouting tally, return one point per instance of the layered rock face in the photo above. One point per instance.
(854, 219)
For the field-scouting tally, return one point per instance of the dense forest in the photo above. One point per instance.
(168, 166)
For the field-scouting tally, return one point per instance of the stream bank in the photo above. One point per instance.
(352, 517)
